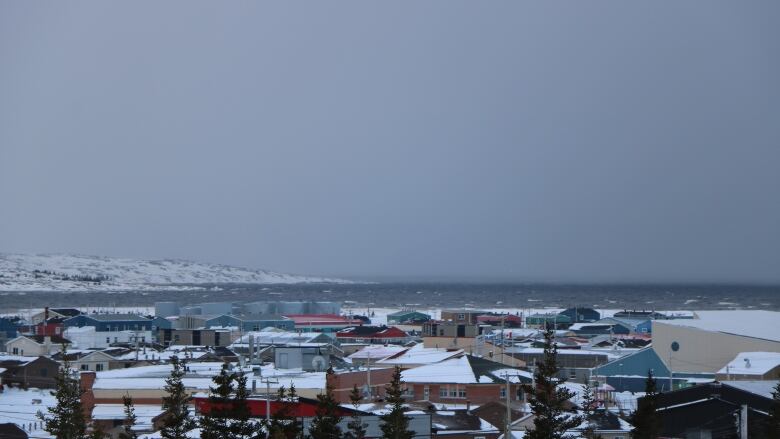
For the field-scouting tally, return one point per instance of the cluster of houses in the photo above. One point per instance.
(465, 372)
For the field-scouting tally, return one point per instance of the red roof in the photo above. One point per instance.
(372, 332)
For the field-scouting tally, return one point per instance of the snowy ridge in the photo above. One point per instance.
(59, 272)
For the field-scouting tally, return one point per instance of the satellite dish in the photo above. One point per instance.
(318, 363)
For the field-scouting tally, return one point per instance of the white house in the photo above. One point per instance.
(87, 337)
(36, 345)
(95, 361)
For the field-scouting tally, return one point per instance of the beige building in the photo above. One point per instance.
(707, 344)
(35, 345)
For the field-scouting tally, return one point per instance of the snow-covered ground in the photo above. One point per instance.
(21, 407)
(58, 272)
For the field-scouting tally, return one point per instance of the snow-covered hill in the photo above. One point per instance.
(57, 272)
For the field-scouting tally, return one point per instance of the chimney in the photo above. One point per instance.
(468, 406)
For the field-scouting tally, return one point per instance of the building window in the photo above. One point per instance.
(502, 393)
(84, 367)
(98, 367)
(461, 316)
(442, 392)
(108, 339)
(573, 373)
(462, 393)
(16, 351)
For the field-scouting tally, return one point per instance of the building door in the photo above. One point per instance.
(282, 360)
(426, 393)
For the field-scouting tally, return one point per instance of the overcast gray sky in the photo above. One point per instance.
(585, 141)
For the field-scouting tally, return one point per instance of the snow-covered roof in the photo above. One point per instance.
(749, 323)
(199, 376)
(752, 363)
(456, 370)
(419, 354)
(276, 338)
(377, 352)
(465, 370)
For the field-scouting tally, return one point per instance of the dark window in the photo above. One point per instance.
(461, 330)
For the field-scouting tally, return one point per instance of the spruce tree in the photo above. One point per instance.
(176, 405)
(548, 397)
(589, 409)
(66, 420)
(130, 419)
(292, 428)
(395, 425)
(279, 417)
(216, 423)
(772, 429)
(97, 432)
(356, 427)
(325, 424)
(283, 423)
(646, 420)
(241, 427)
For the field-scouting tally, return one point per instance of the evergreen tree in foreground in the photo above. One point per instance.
(773, 420)
(395, 425)
(241, 427)
(216, 423)
(176, 405)
(325, 424)
(66, 419)
(284, 424)
(356, 427)
(130, 419)
(646, 421)
(588, 409)
(548, 398)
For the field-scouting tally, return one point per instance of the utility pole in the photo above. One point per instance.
(671, 381)
(368, 375)
(268, 402)
(503, 318)
(508, 424)
(743, 422)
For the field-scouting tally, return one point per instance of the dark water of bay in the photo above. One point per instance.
(438, 295)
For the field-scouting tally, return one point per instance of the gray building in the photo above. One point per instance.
(281, 307)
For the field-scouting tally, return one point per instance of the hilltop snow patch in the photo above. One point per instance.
(59, 272)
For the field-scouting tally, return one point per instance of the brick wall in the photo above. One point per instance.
(345, 381)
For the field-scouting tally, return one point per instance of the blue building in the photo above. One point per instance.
(640, 326)
(8, 328)
(111, 322)
(582, 314)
